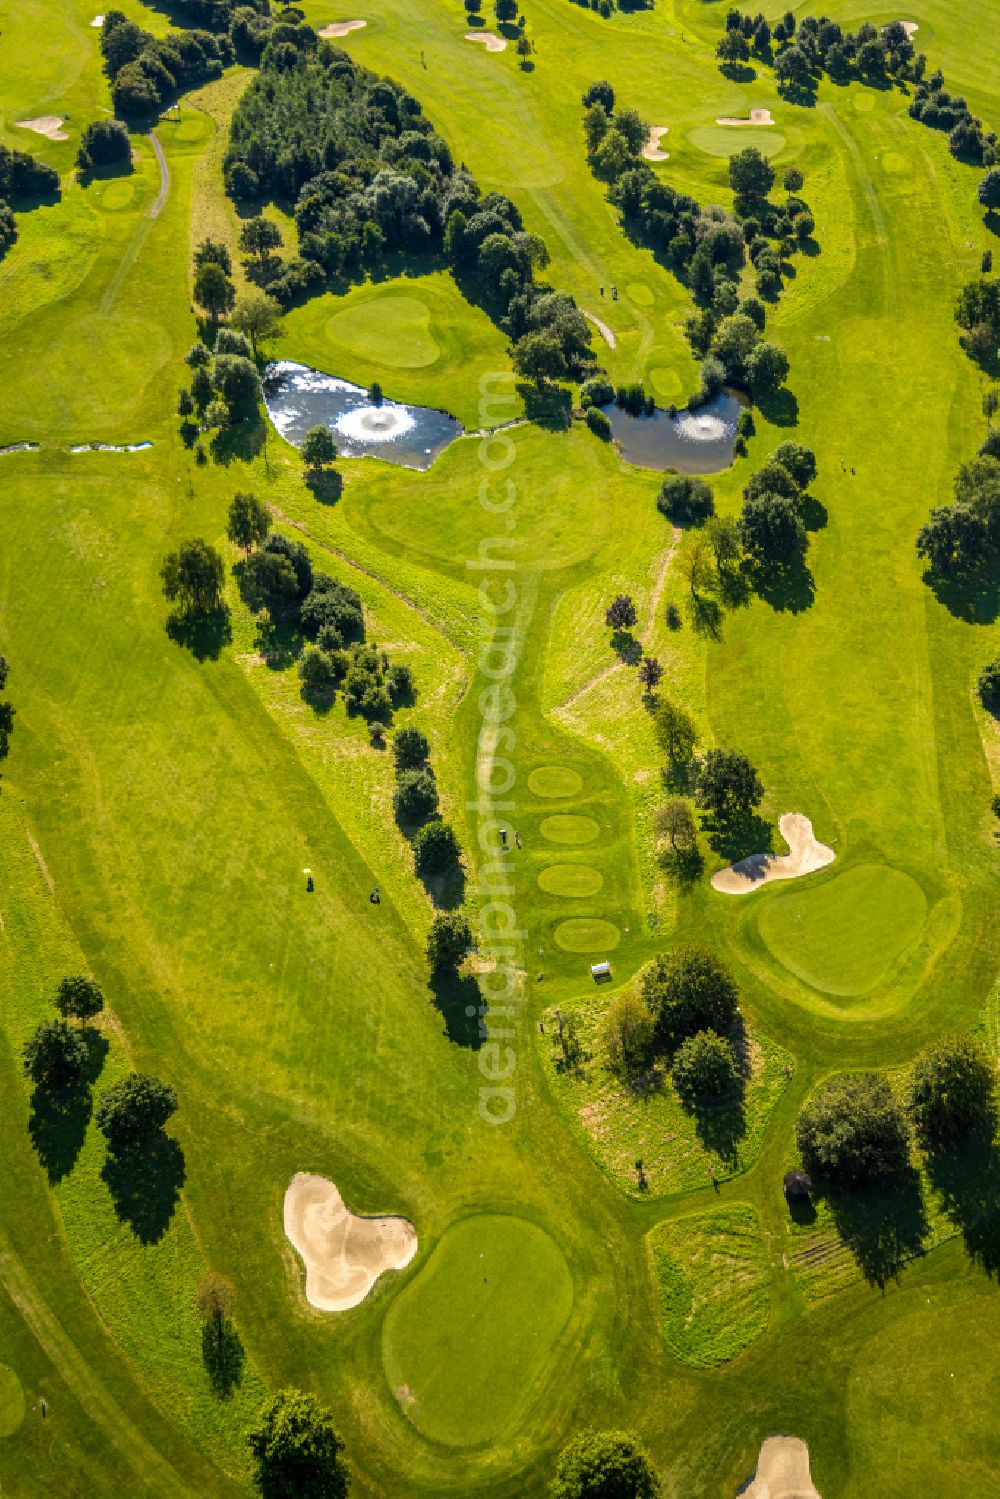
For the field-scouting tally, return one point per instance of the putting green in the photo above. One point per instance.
(667, 384)
(12, 1402)
(587, 934)
(639, 293)
(118, 194)
(393, 330)
(726, 140)
(843, 937)
(555, 780)
(895, 163)
(569, 828)
(574, 880)
(469, 1339)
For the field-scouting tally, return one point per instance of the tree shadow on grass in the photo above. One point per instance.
(279, 640)
(976, 599)
(58, 1120)
(968, 1181)
(738, 837)
(145, 1186)
(550, 407)
(202, 632)
(814, 513)
(626, 647)
(884, 1226)
(446, 887)
(326, 486)
(788, 588)
(779, 407)
(457, 997)
(706, 616)
(738, 72)
(685, 865)
(223, 1355)
(240, 443)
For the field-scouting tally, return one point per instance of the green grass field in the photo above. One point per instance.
(156, 813)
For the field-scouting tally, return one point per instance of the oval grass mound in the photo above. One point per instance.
(12, 1403)
(469, 1339)
(569, 827)
(555, 780)
(726, 140)
(393, 330)
(844, 937)
(117, 194)
(574, 880)
(712, 1275)
(587, 934)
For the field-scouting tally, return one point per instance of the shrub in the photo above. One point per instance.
(79, 997)
(852, 1132)
(132, 1111)
(952, 1092)
(399, 682)
(704, 1068)
(416, 796)
(627, 1032)
(296, 1451)
(103, 143)
(435, 849)
(988, 686)
(597, 391)
(604, 1465)
(685, 500)
(688, 991)
(55, 1056)
(598, 423)
(316, 670)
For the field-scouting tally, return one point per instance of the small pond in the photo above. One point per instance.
(298, 398)
(693, 442)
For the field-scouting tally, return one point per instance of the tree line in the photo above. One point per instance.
(961, 542)
(369, 179)
(146, 71)
(24, 180)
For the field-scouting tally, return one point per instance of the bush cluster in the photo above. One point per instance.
(146, 71)
(436, 849)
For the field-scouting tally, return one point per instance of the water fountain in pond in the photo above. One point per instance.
(298, 398)
(702, 441)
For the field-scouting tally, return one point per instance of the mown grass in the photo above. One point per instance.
(713, 1279)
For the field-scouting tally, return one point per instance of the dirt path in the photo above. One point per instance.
(602, 328)
(161, 196)
(644, 638)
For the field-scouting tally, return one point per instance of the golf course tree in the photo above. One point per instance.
(961, 540)
(687, 991)
(259, 239)
(621, 613)
(132, 1113)
(676, 732)
(193, 577)
(257, 316)
(852, 1132)
(146, 72)
(685, 500)
(988, 687)
(650, 675)
(213, 290)
(704, 1069)
(248, 522)
(449, 941)
(416, 795)
(318, 451)
(627, 1033)
(295, 1451)
(79, 998)
(751, 177)
(55, 1057)
(989, 189)
(772, 531)
(436, 850)
(7, 711)
(24, 182)
(395, 191)
(104, 143)
(604, 1465)
(952, 1094)
(727, 786)
(410, 748)
(978, 315)
(215, 1300)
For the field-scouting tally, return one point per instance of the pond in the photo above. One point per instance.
(298, 398)
(693, 442)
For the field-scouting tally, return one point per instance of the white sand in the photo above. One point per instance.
(97, 21)
(490, 42)
(755, 117)
(340, 28)
(807, 855)
(782, 1472)
(651, 150)
(909, 27)
(47, 125)
(344, 1254)
(606, 333)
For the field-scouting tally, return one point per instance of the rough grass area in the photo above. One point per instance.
(625, 1121)
(714, 1284)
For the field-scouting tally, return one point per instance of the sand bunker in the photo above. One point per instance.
(909, 27)
(651, 150)
(807, 855)
(490, 42)
(755, 117)
(344, 1254)
(782, 1472)
(340, 28)
(48, 125)
(97, 21)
